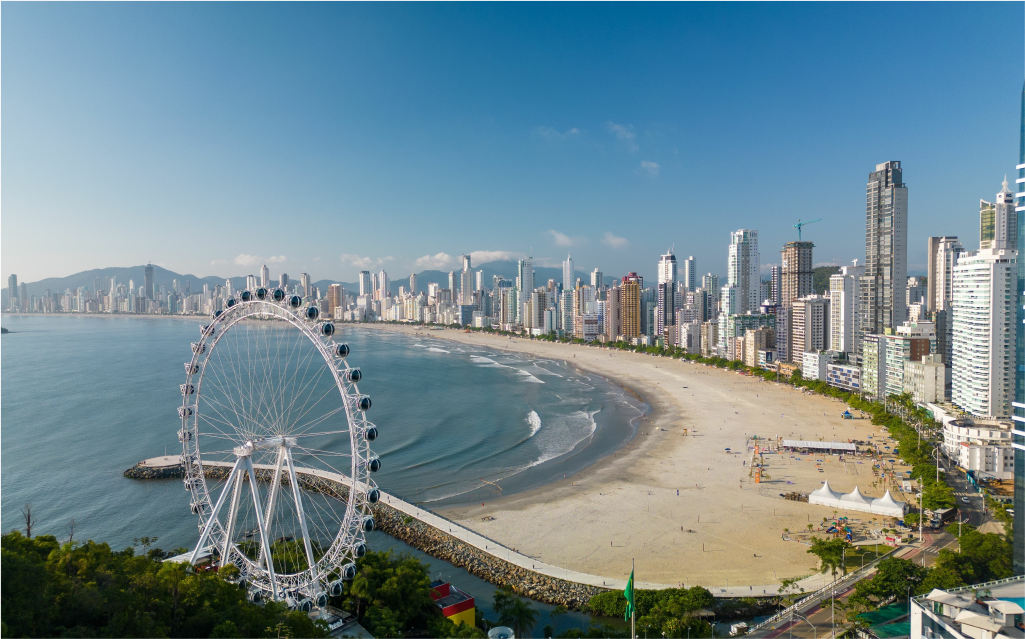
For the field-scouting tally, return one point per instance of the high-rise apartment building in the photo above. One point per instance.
(945, 251)
(568, 275)
(1018, 432)
(283, 281)
(265, 276)
(383, 286)
(334, 300)
(412, 284)
(148, 278)
(614, 311)
(998, 222)
(795, 272)
(775, 285)
(882, 289)
(12, 291)
(690, 274)
(597, 280)
(525, 275)
(365, 286)
(810, 325)
(743, 269)
(630, 305)
(983, 329)
(666, 313)
(844, 330)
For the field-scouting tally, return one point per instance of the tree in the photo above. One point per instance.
(830, 553)
(520, 616)
(26, 512)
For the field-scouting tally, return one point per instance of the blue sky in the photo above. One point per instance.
(327, 138)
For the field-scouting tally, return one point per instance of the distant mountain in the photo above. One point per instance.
(165, 278)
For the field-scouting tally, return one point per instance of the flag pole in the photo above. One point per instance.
(633, 617)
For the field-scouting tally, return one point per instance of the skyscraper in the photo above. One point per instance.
(941, 273)
(742, 269)
(283, 281)
(364, 283)
(1018, 433)
(843, 309)
(795, 272)
(12, 291)
(666, 313)
(883, 295)
(412, 284)
(525, 273)
(265, 276)
(334, 299)
(690, 274)
(149, 281)
(597, 279)
(998, 223)
(383, 286)
(568, 274)
(983, 360)
(306, 285)
(630, 305)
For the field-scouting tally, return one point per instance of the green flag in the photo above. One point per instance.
(629, 594)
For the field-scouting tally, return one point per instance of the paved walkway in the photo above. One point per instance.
(493, 548)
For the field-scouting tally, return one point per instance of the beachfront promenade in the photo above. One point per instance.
(490, 547)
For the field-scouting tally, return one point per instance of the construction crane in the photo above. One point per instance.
(801, 224)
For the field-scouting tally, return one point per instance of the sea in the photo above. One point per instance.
(83, 398)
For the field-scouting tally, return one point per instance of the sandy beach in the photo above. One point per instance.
(673, 499)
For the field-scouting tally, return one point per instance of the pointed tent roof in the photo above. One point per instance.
(887, 500)
(825, 492)
(856, 497)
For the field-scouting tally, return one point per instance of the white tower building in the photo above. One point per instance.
(364, 283)
(844, 330)
(742, 269)
(382, 284)
(264, 276)
(983, 332)
(568, 278)
(690, 274)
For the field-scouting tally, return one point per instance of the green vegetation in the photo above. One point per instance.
(831, 554)
(671, 611)
(88, 590)
(820, 278)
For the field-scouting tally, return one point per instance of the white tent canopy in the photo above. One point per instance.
(854, 500)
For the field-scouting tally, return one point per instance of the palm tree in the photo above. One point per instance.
(520, 616)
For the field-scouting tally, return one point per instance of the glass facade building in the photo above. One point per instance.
(1018, 436)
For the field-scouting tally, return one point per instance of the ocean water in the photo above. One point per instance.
(84, 398)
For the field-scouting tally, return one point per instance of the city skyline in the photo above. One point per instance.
(568, 169)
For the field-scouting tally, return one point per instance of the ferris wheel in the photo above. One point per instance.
(276, 449)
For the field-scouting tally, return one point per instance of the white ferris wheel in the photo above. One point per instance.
(276, 449)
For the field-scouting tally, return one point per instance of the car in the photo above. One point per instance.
(964, 499)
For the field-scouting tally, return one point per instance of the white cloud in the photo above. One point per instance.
(561, 239)
(651, 167)
(364, 263)
(247, 260)
(483, 257)
(625, 134)
(551, 133)
(218, 262)
(252, 260)
(612, 241)
(433, 262)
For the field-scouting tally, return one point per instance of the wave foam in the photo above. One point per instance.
(535, 422)
(435, 349)
(530, 378)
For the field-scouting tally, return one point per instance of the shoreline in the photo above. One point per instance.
(671, 498)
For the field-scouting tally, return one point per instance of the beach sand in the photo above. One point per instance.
(673, 499)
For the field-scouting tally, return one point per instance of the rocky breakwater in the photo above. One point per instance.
(419, 535)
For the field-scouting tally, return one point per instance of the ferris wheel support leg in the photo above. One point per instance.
(213, 514)
(232, 514)
(302, 514)
(264, 539)
(273, 496)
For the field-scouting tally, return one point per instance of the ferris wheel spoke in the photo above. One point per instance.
(216, 381)
(330, 390)
(214, 403)
(321, 434)
(304, 366)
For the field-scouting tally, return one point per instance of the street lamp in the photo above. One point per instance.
(814, 630)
